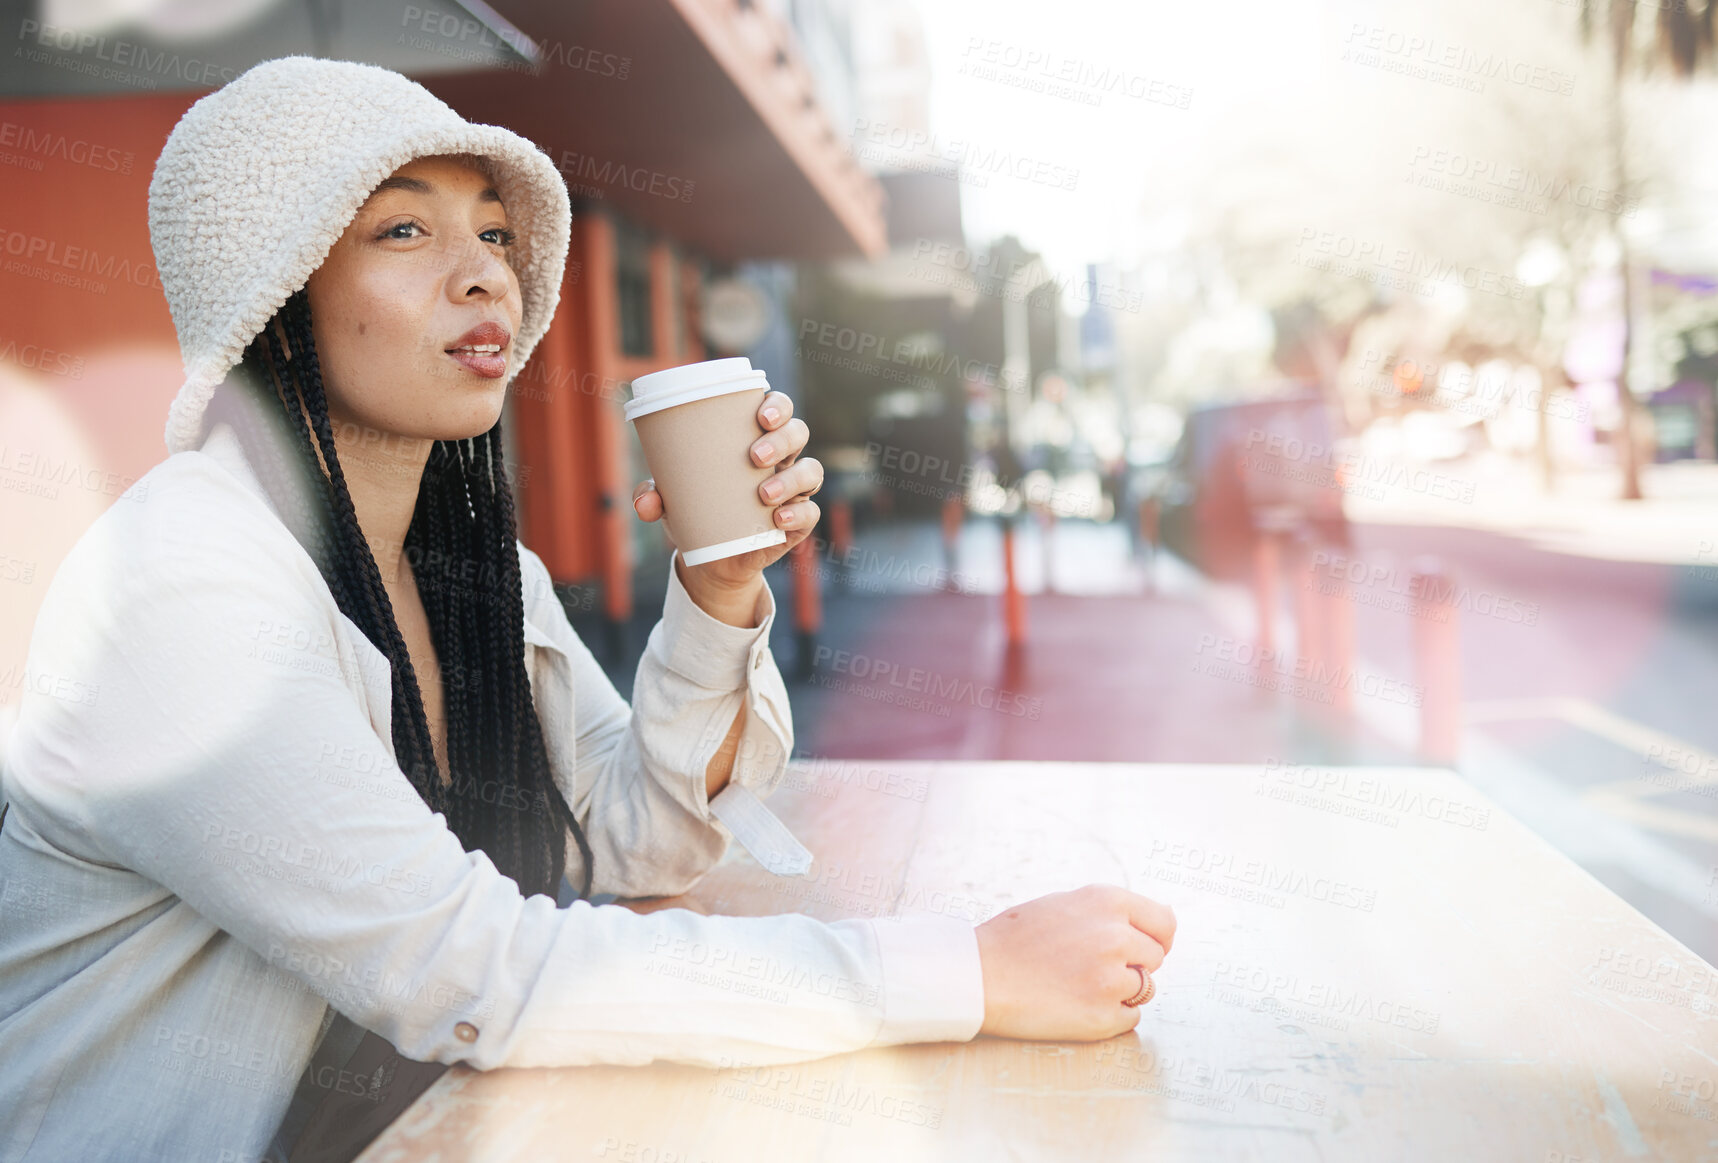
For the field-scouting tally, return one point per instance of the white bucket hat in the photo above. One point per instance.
(260, 178)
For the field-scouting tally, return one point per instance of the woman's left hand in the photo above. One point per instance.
(727, 588)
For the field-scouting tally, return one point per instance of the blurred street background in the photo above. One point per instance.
(1286, 384)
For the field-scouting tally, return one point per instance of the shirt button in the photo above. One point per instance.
(757, 662)
(465, 1032)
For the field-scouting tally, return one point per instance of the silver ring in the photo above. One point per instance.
(1147, 987)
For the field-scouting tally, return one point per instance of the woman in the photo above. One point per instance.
(309, 744)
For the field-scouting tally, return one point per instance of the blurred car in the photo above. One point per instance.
(1242, 468)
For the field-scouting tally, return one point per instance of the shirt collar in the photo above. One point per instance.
(223, 446)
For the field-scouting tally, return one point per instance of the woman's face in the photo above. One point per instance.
(422, 264)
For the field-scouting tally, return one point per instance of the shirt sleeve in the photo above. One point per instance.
(189, 717)
(634, 775)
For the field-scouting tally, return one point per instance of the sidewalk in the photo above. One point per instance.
(1590, 721)
(1126, 662)
(1675, 524)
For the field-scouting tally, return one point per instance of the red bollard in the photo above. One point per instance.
(1267, 560)
(807, 593)
(1437, 658)
(1310, 604)
(841, 527)
(807, 603)
(1013, 602)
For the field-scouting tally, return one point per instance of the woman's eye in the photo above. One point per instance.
(500, 235)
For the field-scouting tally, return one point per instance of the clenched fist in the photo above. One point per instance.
(1056, 967)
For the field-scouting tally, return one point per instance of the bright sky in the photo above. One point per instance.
(1277, 66)
(1229, 54)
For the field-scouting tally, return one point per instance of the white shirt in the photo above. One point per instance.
(209, 842)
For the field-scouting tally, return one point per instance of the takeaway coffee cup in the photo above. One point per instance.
(697, 424)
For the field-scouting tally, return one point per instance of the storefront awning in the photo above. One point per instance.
(695, 118)
(144, 47)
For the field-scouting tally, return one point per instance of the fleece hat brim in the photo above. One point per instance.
(260, 178)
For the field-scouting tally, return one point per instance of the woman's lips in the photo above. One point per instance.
(484, 359)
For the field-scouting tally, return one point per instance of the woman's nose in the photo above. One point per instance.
(476, 267)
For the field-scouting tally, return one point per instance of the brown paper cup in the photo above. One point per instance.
(699, 454)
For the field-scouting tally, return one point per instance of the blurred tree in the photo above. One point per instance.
(1680, 37)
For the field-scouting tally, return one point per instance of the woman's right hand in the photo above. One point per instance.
(1056, 967)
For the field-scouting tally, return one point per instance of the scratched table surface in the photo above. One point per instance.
(1371, 964)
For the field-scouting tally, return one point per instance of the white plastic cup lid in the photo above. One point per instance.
(690, 382)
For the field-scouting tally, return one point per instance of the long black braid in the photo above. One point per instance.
(462, 549)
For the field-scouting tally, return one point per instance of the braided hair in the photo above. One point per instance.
(502, 798)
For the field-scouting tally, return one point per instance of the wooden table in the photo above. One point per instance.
(1372, 964)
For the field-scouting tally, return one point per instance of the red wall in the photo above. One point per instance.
(89, 360)
(77, 275)
(88, 356)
